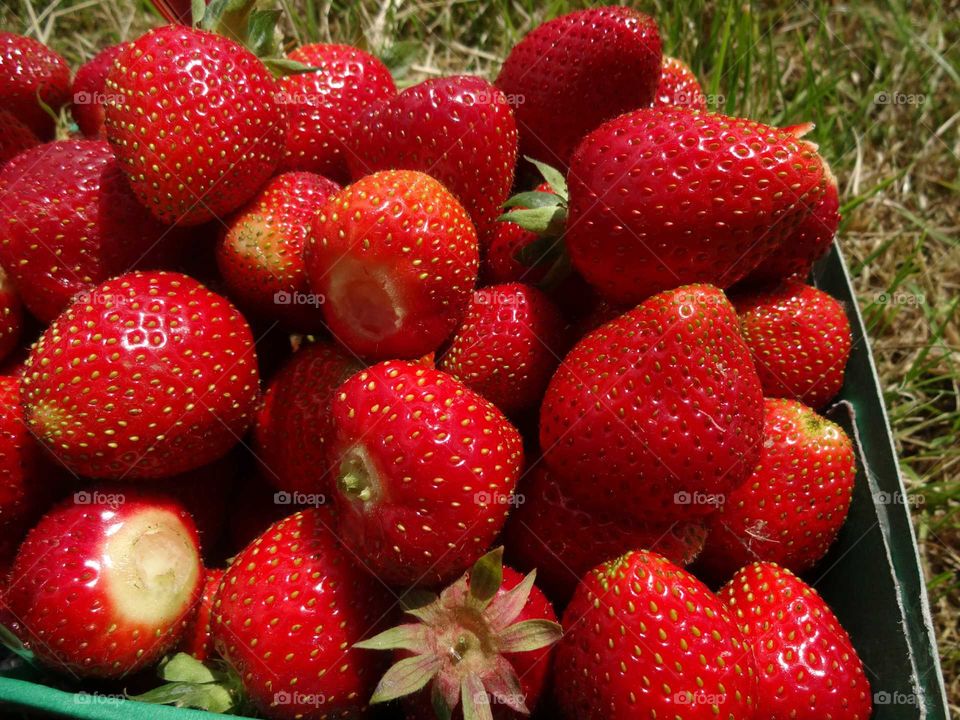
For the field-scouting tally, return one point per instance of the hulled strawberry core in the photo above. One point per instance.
(366, 299)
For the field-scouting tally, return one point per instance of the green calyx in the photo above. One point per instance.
(190, 683)
(545, 215)
(357, 480)
(458, 645)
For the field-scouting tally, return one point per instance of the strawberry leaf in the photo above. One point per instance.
(441, 708)
(486, 577)
(205, 696)
(411, 637)
(529, 635)
(405, 677)
(197, 10)
(505, 608)
(262, 32)
(504, 685)
(12, 643)
(541, 220)
(533, 199)
(282, 67)
(554, 177)
(476, 702)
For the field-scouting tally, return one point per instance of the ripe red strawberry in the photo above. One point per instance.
(507, 347)
(197, 640)
(15, 137)
(426, 473)
(290, 608)
(90, 88)
(11, 317)
(644, 638)
(73, 223)
(807, 243)
(800, 341)
(577, 71)
(148, 376)
(294, 427)
(806, 665)
(563, 540)
(679, 86)
(323, 106)
(104, 584)
(486, 638)
(667, 196)
(500, 263)
(29, 72)
(458, 129)
(657, 414)
(790, 509)
(395, 257)
(195, 122)
(260, 252)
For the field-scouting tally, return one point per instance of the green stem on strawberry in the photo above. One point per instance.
(213, 687)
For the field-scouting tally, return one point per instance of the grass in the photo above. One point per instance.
(881, 80)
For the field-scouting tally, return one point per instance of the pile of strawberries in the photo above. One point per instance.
(296, 364)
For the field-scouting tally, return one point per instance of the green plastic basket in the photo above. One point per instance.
(871, 577)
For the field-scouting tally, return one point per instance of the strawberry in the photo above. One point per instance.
(790, 509)
(289, 610)
(197, 639)
(195, 123)
(657, 414)
(573, 73)
(294, 427)
(458, 129)
(506, 349)
(679, 86)
(149, 375)
(501, 263)
(104, 584)
(727, 193)
(260, 252)
(324, 105)
(395, 257)
(807, 243)
(89, 91)
(644, 639)
(15, 137)
(73, 223)
(486, 638)
(800, 340)
(563, 540)
(11, 317)
(426, 473)
(31, 73)
(806, 665)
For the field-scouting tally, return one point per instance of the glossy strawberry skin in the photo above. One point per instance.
(260, 252)
(324, 106)
(294, 428)
(73, 223)
(395, 257)
(508, 346)
(89, 91)
(806, 244)
(29, 68)
(11, 317)
(66, 587)
(573, 73)
(15, 137)
(800, 340)
(658, 413)
(806, 665)
(790, 509)
(289, 609)
(532, 667)
(189, 359)
(666, 196)
(460, 130)
(439, 464)
(220, 104)
(563, 540)
(197, 639)
(679, 86)
(643, 637)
